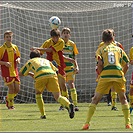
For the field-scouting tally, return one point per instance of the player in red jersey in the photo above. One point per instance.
(9, 58)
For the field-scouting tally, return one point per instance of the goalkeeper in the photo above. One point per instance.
(44, 74)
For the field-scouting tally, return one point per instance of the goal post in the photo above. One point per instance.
(87, 20)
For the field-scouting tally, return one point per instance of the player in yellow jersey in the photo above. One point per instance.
(112, 96)
(112, 66)
(44, 74)
(9, 59)
(131, 82)
(53, 48)
(70, 50)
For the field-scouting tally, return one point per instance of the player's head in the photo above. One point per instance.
(113, 32)
(107, 36)
(34, 53)
(55, 35)
(66, 29)
(8, 32)
(66, 32)
(8, 36)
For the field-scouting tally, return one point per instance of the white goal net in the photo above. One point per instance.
(29, 23)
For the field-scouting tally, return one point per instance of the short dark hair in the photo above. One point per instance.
(107, 35)
(55, 32)
(34, 53)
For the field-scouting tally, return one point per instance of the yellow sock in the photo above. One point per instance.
(10, 99)
(131, 100)
(92, 108)
(40, 103)
(63, 101)
(126, 112)
(113, 97)
(74, 96)
(65, 93)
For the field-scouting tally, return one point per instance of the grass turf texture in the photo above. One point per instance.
(26, 117)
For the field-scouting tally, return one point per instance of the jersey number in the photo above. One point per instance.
(111, 57)
(42, 62)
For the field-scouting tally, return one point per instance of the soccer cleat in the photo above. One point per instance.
(11, 107)
(76, 108)
(43, 117)
(114, 108)
(85, 127)
(109, 104)
(6, 102)
(131, 109)
(128, 126)
(71, 111)
(61, 108)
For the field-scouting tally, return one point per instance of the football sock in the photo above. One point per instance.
(40, 103)
(63, 101)
(65, 93)
(74, 96)
(109, 97)
(126, 112)
(10, 99)
(113, 97)
(92, 108)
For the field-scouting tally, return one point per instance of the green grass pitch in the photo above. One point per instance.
(26, 117)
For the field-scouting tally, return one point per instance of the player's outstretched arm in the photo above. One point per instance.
(42, 49)
(29, 73)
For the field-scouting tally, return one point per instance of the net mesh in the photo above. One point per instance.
(87, 20)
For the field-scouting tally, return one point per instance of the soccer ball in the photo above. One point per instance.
(54, 22)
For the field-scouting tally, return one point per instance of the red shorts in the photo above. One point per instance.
(10, 80)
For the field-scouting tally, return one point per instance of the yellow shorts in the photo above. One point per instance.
(70, 76)
(51, 84)
(104, 86)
